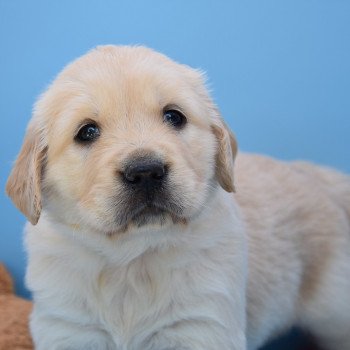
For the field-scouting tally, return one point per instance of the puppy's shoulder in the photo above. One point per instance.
(255, 171)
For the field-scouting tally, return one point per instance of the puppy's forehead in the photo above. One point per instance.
(136, 73)
(113, 82)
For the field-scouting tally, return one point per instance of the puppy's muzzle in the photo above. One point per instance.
(147, 196)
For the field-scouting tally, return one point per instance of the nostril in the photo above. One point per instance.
(132, 178)
(158, 172)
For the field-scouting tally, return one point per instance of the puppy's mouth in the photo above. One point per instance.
(150, 214)
(154, 213)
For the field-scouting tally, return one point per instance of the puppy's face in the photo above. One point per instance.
(123, 138)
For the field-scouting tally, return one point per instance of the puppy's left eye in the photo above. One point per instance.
(174, 118)
(88, 133)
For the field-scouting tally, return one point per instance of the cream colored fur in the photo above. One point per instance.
(233, 271)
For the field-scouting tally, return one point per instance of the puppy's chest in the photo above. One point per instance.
(133, 301)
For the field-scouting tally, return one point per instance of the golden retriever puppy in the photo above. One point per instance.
(136, 240)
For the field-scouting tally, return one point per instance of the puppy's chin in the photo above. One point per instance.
(149, 217)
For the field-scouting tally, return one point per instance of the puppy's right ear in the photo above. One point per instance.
(24, 183)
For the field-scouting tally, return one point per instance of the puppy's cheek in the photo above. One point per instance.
(64, 174)
(194, 174)
(83, 197)
(188, 191)
(100, 205)
(201, 154)
(69, 196)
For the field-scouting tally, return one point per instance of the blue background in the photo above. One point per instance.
(279, 71)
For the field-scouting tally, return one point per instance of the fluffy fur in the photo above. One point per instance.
(218, 270)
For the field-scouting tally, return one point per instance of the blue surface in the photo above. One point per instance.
(279, 71)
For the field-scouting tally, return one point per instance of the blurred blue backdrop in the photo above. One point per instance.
(279, 71)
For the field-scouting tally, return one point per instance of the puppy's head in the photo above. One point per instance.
(123, 137)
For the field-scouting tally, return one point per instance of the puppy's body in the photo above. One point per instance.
(297, 223)
(165, 258)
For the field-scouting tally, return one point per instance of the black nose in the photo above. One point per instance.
(145, 172)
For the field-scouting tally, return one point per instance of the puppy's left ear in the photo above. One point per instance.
(226, 153)
(24, 183)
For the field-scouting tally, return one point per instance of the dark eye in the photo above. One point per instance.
(88, 133)
(174, 118)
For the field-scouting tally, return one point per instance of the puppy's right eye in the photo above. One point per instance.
(88, 133)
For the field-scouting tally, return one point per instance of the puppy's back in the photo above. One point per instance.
(336, 184)
(297, 217)
(272, 184)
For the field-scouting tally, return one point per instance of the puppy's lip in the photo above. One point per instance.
(152, 209)
(148, 211)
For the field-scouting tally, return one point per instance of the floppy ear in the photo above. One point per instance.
(226, 153)
(24, 182)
